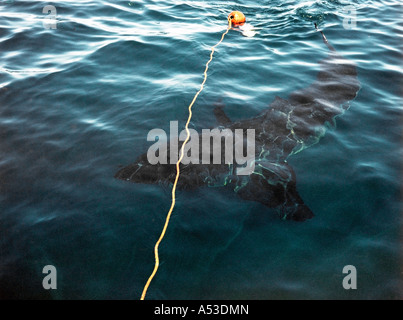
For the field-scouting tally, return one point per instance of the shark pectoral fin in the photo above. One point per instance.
(294, 207)
(300, 213)
(274, 185)
(220, 115)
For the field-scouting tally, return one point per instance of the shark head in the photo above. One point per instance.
(141, 171)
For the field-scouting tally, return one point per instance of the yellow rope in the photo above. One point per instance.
(157, 261)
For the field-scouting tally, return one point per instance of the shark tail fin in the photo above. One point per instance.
(325, 39)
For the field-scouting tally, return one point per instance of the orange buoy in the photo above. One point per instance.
(237, 18)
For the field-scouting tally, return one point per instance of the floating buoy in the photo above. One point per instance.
(237, 18)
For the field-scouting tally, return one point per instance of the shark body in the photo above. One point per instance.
(286, 127)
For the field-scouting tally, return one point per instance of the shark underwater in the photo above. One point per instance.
(285, 128)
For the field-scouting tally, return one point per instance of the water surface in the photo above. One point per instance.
(77, 102)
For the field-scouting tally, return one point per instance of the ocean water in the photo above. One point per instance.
(80, 90)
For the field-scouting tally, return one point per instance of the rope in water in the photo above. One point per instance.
(157, 261)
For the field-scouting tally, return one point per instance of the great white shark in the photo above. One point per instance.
(285, 128)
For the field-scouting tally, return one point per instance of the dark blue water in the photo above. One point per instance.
(77, 102)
